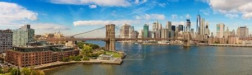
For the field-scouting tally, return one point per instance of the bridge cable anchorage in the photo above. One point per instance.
(88, 31)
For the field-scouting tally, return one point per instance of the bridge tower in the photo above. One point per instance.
(110, 37)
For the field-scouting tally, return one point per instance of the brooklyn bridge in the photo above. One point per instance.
(110, 37)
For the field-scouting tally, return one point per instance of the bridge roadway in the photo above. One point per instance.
(116, 39)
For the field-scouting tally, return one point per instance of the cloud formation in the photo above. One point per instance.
(102, 22)
(49, 26)
(151, 17)
(232, 8)
(92, 6)
(11, 12)
(119, 3)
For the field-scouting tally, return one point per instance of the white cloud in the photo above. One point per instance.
(188, 16)
(92, 6)
(174, 16)
(162, 4)
(234, 7)
(11, 12)
(151, 17)
(102, 22)
(206, 11)
(178, 23)
(49, 26)
(140, 1)
(232, 15)
(120, 3)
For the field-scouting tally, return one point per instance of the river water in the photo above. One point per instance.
(168, 60)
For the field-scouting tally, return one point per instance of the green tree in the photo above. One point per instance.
(80, 44)
(65, 59)
(26, 71)
(85, 58)
(38, 72)
(86, 50)
(15, 71)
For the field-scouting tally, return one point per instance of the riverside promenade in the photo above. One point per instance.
(116, 61)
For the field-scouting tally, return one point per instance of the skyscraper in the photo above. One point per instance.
(23, 35)
(180, 28)
(173, 28)
(220, 30)
(5, 40)
(157, 29)
(207, 30)
(188, 25)
(146, 31)
(168, 25)
(198, 24)
(165, 33)
(132, 32)
(124, 31)
(202, 27)
(243, 32)
(156, 26)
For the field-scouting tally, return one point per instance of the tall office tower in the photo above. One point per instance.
(220, 30)
(157, 29)
(124, 31)
(164, 33)
(232, 33)
(132, 33)
(198, 24)
(5, 40)
(207, 30)
(140, 35)
(180, 28)
(156, 26)
(226, 33)
(202, 26)
(168, 25)
(188, 25)
(23, 35)
(243, 32)
(173, 28)
(173, 31)
(146, 31)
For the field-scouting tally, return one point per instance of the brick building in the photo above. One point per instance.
(37, 55)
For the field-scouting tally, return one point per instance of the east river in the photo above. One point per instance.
(169, 60)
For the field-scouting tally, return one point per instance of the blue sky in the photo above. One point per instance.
(74, 16)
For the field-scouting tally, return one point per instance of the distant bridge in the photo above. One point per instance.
(110, 38)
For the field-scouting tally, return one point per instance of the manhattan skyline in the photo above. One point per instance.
(76, 16)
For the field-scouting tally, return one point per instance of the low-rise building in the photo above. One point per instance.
(37, 55)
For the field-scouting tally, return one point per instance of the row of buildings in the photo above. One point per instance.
(19, 37)
(223, 34)
(169, 31)
(21, 49)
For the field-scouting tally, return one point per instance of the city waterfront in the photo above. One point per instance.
(169, 59)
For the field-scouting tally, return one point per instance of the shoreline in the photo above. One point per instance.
(201, 44)
(228, 45)
(117, 61)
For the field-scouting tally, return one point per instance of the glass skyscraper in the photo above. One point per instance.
(23, 35)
